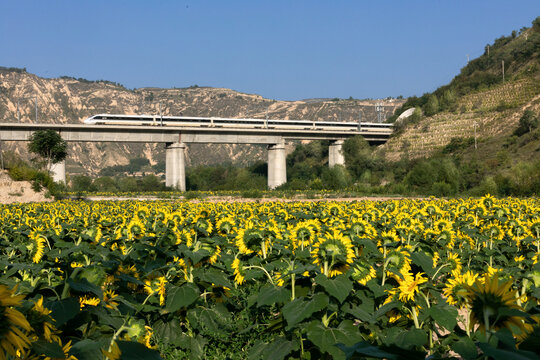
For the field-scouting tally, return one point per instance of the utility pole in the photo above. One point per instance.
(1, 155)
(475, 124)
(160, 114)
(36, 108)
(503, 69)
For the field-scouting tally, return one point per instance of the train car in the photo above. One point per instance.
(191, 121)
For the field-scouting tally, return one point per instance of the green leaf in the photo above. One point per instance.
(425, 261)
(136, 351)
(63, 310)
(326, 338)
(87, 349)
(168, 332)
(411, 338)
(506, 354)
(179, 297)
(370, 247)
(366, 349)
(270, 294)
(444, 315)
(48, 349)
(385, 308)
(466, 348)
(359, 313)
(298, 309)
(215, 320)
(212, 276)
(277, 350)
(84, 286)
(340, 287)
(196, 346)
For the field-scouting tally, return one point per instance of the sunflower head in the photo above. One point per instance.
(491, 302)
(362, 272)
(13, 325)
(249, 240)
(333, 253)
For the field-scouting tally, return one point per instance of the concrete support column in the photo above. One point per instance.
(277, 165)
(58, 171)
(175, 171)
(335, 154)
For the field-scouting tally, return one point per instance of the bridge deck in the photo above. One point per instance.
(171, 134)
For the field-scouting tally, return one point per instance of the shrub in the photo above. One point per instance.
(527, 123)
(441, 188)
(252, 194)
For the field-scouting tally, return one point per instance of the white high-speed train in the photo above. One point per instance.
(189, 121)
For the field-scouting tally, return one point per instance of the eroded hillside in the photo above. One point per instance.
(69, 100)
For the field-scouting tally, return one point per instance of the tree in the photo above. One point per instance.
(448, 100)
(49, 145)
(358, 155)
(432, 105)
(82, 183)
(527, 123)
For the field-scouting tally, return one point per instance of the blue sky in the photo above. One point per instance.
(286, 50)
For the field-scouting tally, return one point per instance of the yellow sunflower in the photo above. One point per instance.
(456, 287)
(136, 229)
(362, 272)
(13, 324)
(238, 272)
(488, 298)
(333, 253)
(302, 235)
(225, 225)
(250, 240)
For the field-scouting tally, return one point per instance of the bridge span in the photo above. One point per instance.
(175, 138)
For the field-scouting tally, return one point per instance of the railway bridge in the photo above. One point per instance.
(176, 136)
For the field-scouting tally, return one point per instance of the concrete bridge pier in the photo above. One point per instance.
(277, 165)
(175, 171)
(58, 171)
(335, 154)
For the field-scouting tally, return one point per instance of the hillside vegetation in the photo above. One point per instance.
(485, 124)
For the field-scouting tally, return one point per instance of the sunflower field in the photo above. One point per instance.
(397, 279)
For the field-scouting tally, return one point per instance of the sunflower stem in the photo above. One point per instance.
(468, 322)
(486, 324)
(415, 317)
(439, 269)
(263, 248)
(263, 269)
(293, 279)
(384, 266)
(326, 268)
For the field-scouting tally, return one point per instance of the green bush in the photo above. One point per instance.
(441, 188)
(252, 194)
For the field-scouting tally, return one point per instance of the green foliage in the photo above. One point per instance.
(440, 175)
(448, 101)
(458, 144)
(432, 106)
(336, 177)
(527, 123)
(18, 170)
(49, 145)
(359, 156)
(82, 183)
